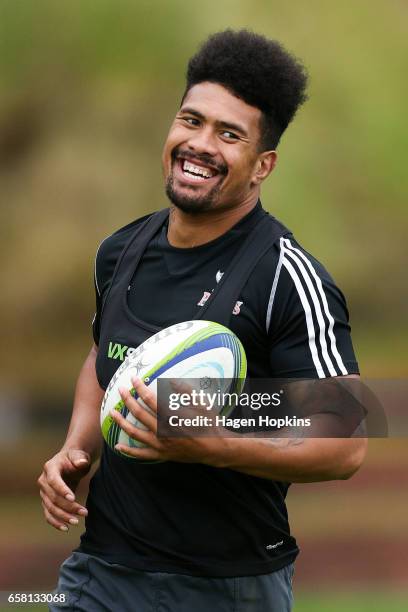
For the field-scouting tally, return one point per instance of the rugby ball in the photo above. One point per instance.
(203, 351)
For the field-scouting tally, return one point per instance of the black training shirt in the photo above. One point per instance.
(291, 318)
(193, 518)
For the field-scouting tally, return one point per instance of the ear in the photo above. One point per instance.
(263, 167)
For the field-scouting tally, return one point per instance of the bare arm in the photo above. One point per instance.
(333, 454)
(84, 430)
(285, 459)
(62, 473)
(294, 459)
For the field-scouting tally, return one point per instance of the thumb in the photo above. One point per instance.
(79, 458)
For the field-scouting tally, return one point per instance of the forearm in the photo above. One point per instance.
(293, 459)
(84, 432)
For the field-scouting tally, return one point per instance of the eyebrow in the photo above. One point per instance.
(225, 124)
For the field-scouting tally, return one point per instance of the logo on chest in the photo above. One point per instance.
(119, 351)
(207, 294)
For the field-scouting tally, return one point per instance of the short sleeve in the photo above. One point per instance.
(309, 327)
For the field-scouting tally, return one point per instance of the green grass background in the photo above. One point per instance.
(88, 89)
(87, 92)
(329, 602)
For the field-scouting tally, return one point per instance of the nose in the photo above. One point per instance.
(203, 141)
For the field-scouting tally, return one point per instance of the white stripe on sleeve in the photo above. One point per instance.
(308, 315)
(333, 344)
(317, 309)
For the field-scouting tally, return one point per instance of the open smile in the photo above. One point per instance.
(194, 172)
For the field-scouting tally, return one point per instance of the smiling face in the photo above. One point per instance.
(211, 157)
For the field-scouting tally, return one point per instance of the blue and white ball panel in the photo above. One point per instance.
(192, 349)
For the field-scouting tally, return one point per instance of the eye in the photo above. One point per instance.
(191, 120)
(229, 135)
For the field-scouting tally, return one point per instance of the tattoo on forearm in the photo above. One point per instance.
(285, 442)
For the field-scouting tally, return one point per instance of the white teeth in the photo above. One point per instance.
(195, 177)
(196, 170)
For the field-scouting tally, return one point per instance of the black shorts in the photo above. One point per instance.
(90, 584)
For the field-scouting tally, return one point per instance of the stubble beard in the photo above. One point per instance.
(192, 204)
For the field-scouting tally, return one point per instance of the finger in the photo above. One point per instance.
(80, 459)
(183, 388)
(58, 513)
(150, 454)
(66, 513)
(53, 478)
(147, 437)
(180, 386)
(140, 413)
(145, 394)
(53, 521)
(62, 502)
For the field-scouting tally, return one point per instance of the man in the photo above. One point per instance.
(206, 527)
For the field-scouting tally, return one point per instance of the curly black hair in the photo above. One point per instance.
(257, 70)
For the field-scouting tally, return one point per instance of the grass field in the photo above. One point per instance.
(352, 602)
(328, 602)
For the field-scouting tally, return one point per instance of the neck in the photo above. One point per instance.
(187, 230)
